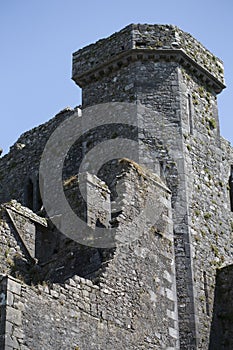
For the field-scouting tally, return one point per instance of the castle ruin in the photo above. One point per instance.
(163, 281)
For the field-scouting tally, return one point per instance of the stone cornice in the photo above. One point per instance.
(156, 55)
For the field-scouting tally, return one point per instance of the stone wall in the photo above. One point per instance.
(156, 86)
(208, 164)
(11, 304)
(127, 308)
(33, 249)
(17, 239)
(222, 322)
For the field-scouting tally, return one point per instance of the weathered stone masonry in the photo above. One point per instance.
(120, 309)
(168, 288)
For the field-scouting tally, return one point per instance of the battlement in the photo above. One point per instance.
(138, 42)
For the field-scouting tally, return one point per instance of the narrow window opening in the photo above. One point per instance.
(206, 294)
(39, 202)
(32, 197)
(162, 169)
(231, 188)
(29, 194)
(190, 114)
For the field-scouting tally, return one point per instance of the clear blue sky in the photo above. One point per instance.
(39, 37)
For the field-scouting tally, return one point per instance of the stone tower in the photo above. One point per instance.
(170, 72)
(169, 288)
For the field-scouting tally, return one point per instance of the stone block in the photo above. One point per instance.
(13, 286)
(14, 316)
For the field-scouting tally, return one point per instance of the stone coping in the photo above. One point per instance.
(21, 210)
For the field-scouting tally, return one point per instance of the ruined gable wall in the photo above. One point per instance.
(22, 162)
(13, 255)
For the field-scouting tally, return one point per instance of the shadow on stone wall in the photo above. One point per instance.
(70, 260)
(221, 336)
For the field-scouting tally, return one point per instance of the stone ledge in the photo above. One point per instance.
(156, 55)
(147, 41)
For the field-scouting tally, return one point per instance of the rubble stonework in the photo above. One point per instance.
(167, 282)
